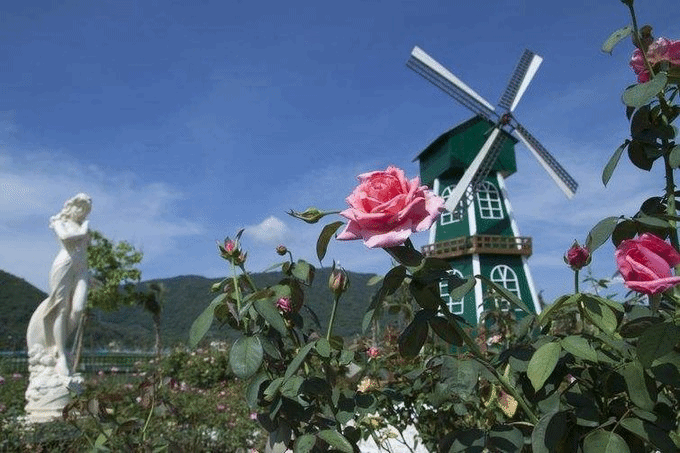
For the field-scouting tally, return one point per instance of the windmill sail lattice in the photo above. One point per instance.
(527, 67)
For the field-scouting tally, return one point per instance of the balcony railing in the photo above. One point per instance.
(479, 244)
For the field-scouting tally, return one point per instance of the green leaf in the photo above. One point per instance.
(392, 281)
(408, 256)
(273, 388)
(657, 341)
(298, 359)
(615, 38)
(650, 433)
(626, 229)
(304, 271)
(325, 237)
(245, 356)
(461, 375)
(413, 337)
(202, 324)
(579, 346)
(459, 292)
(253, 390)
(601, 441)
(638, 155)
(506, 439)
(600, 314)
(445, 331)
(304, 443)
(543, 363)
(640, 94)
(336, 440)
(346, 356)
(552, 310)
(266, 309)
(549, 433)
(427, 295)
(674, 157)
(613, 162)
(507, 295)
(653, 222)
(291, 386)
(323, 347)
(468, 441)
(634, 375)
(600, 233)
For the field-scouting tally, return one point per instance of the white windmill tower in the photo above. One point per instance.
(468, 165)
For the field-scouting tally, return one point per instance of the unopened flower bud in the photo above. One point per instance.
(373, 352)
(281, 250)
(338, 281)
(310, 215)
(577, 256)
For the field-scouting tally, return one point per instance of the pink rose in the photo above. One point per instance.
(577, 256)
(645, 264)
(286, 305)
(385, 208)
(660, 50)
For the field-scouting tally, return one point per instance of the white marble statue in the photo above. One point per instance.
(57, 317)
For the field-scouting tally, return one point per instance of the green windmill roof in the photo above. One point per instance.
(453, 151)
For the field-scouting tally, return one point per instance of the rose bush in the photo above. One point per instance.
(645, 264)
(385, 208)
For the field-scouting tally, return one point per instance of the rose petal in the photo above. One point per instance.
(653, 286)
(661, 248)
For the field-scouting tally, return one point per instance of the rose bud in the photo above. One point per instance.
(373, 352)
(287, 305)
(310, 215)
(577, 256)
(338, 281)
(281, 250)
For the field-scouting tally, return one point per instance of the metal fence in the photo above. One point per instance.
(90, 362)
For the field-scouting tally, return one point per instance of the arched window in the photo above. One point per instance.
(489, 201)
(450, 217)
(455, 306)
(504, 276)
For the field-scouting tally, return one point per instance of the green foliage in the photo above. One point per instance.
(615, 38)
(114, 271)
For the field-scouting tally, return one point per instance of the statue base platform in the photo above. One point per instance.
(48, 391)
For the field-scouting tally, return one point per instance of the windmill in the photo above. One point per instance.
(469, 162)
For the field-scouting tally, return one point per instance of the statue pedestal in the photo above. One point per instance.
(48, 391)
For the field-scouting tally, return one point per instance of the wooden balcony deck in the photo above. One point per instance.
(479, 244)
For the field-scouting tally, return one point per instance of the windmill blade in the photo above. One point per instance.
(438, 75)
(519, 82)
(477, 171)
(563, 179)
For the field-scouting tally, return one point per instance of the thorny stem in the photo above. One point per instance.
(670, 201)
(479, 356)
(637, 38)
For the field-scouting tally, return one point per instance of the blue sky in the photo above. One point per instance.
(187, 121)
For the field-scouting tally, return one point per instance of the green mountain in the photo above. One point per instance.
(185, 298)
(18, 299)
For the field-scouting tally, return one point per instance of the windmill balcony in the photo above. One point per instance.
(479, 244)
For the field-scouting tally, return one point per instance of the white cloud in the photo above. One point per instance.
(271, 231)
(35, 186)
